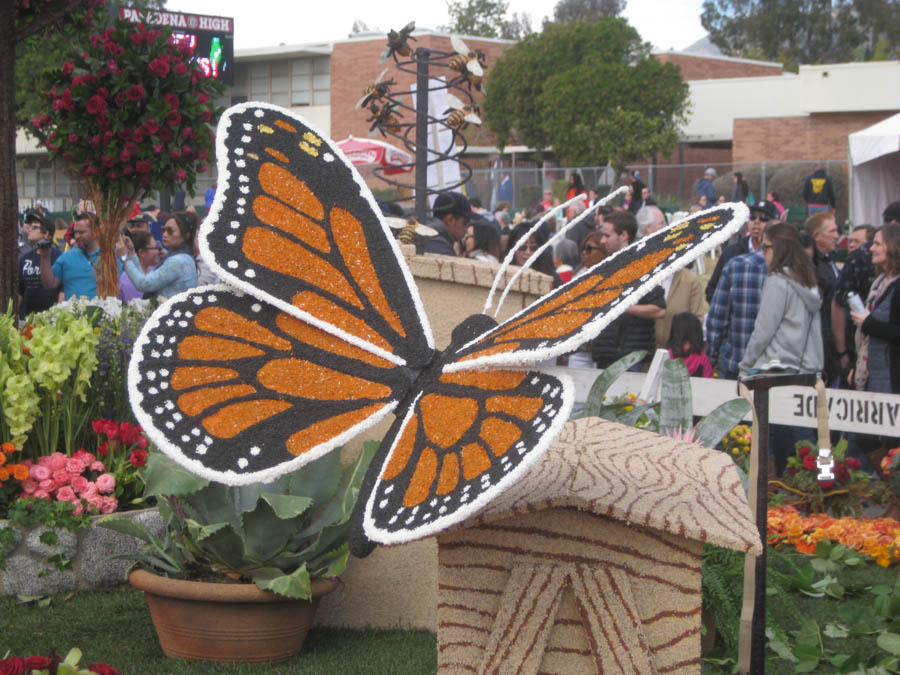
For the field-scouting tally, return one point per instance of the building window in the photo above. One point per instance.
(301, 78)
(300, 82)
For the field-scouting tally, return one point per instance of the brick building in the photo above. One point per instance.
(742, 111)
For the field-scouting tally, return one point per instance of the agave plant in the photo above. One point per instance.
(280, 535)
(673, 414)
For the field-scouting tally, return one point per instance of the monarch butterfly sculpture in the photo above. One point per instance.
(318, 333)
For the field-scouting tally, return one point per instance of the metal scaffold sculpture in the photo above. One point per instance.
(389, 114)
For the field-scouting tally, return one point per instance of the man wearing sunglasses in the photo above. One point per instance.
(761, 214)
(33, 297)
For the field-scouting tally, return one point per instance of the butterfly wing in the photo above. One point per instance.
(466, 438)
(579, 310)
(293, 224)
(238, 391)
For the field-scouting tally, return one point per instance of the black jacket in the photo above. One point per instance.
(628, 333)
(826, 279)
(441, 242)
(817, 189)
(890, 332)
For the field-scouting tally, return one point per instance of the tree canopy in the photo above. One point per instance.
(590, 91)
(486, 18)
(567, 11)
(805, 31)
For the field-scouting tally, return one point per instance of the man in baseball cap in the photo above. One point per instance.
(451, 215)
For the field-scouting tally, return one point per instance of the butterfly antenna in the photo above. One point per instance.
(507, 261)
(568, 226)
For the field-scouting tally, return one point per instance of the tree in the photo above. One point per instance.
(19, 21)
(805, 31)
(39, 54)
(590, 91)
(486, 18)
(129, 114)
(568, 11)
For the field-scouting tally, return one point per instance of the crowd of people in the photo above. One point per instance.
(777, 300)
(156, 251)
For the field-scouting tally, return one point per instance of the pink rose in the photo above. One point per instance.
(181, 175)
(79, 484)
(79, 507)
(75, 466)
(68, 67)
(47, 485)
(95, 502)
(97, 465)
(28, 487)
(65, 494)
(90, 492)
(108, 504)
(58, 461)
(41, 494)
(39, 472)
(61, 477)
(106, 483)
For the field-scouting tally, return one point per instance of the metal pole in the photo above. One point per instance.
(422, 134)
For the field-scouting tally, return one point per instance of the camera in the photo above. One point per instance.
(44, 243)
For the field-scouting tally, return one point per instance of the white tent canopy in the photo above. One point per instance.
(874, 170)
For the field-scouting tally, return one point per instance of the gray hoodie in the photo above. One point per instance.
(788, 331)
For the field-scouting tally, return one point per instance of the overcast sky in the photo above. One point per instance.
(666, 24)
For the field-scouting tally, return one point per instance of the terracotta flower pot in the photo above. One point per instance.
(227, 622)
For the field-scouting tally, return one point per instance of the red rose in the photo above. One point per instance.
(842, 473)
(103, 92)
(125, 156)
(804, 451)
(809, 462)
(173, 119)
(186, 150)
(187, 133)
(172, 101)
(107, 136)
(166, 135)
(95, 40)
(144, 166)
(90, 171)
(38, 662)
(128, 170)
(95, 141)
(124, 134)
(112, 66)
(207, 115)
(107, 160)
(95, 105)
(103, 669)
(120, 99)
(68, 67)
(102, 121)
(203, 154)
(12, 666)
(854, 463)
(138, 137)
(37, 122)
(826, 485)
(158, 67)
(58, 104)
(201, 168)
(73, 138)
(175, 153)
(135, 92)
(180, 69)
(138, 457)
(157, 148)
(202, 98)
(181, 175)
(792, 471)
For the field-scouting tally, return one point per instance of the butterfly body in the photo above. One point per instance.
(318, 333)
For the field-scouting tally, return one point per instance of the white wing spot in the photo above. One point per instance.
(235, 224)
(201, 450)
(195, 431)
(159, 339)
(183, 324)
(150, 375)
(176, 313)
(231, 238)
(254, 450)
(382, 504)
(389, 489)
(232, 264)
(245, 189)
(328, 157)
(170, 425)
(167, 353)
(249, 274)
(245, 139)
(169, 405)
(243, 179)
(239, 151)
(256, 307)
(211, 298)
(241, 201)
(177, 417)
(240, 163)
(242, 462)
(185, 438)
(158, 410)
(248, 126)
(154, 354)
(153, 390)
(258, 112)
(198, 300)
(240, 211)
(207, 440)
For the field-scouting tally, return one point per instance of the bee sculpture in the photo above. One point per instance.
(460, 115)
(469, 62)
(376, 91)
(410, 228)
(384, 118)
(398, 42)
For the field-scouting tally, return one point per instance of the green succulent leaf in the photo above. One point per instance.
(676, 407)
(889, 642)
(294, 585)
(593, 405)
(287, 506)
(720, 421)
(164, 476)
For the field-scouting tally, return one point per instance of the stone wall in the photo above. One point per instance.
(28, 571)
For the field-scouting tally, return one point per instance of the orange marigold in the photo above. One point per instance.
(8, 447)
(2, 459)
(4, 474)
(19, 471)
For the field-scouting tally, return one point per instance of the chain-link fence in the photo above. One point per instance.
(673, 186)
